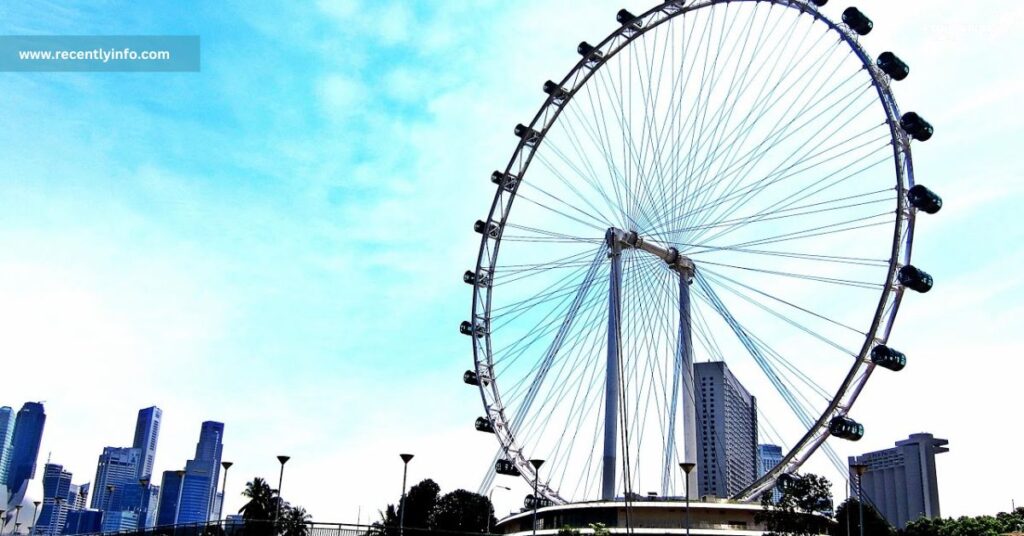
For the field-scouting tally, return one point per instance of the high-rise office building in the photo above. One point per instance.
(142, 499)
(147, 432)
(900, 482)
(191, 497)
(83, 522)
(78, 495)
(7, 419)
(727, 431)
(768, 456)
(28, 434)
(57, 499)
(115, 472)
(170, 493)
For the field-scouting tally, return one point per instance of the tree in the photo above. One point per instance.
(294, 521)
(803, 510)
(874, 523)
(262, 502)
(463, 511)
(567, 530)
(419, 504)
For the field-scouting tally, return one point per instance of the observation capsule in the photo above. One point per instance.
(467, 328)
(846, 428)
(505, 180)
(819, 3)
(490, 228)
(589, 53)
(483, 424)
(469, 278)
(916, 126)
(924, 199)
(527, 134)
(470, 378)
(915, 279)
(506, 467)
(892, 65)
(558, 93)
(886, 357)
(629, 21)
(857, 21)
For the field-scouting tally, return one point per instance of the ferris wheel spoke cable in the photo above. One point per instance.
(532, 185)
(721, 280)
(779, 173)
(762, 104)
(804, 277)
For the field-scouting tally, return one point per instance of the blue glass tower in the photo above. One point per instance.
(6, 435)
(190, 498)
(170, 490)
(147, 432)
(115, 473)
(28, 434)
(768, 456)
(56, 484)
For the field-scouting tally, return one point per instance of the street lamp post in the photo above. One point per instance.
(401, 503)
(280, 479)
(17, 514)
(687, 467)
(224, 488)
(536, 463)
(490, 494)
(859, 468)
(35, 517)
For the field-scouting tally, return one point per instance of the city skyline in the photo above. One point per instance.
(276, 266)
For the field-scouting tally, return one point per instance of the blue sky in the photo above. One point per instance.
(277, 241)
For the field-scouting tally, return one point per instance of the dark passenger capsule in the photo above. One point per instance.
(483, 424)
(857, 21)
(466, 328)
(469, 277)
(916, 126)
(558, 93)
(819, 3)
(924, 199)
(846, 428)
(893, 66)
(506, 467)
(490, 228)
(469, 377)
(915, 279)
(624, 16)
(589, 53)
(886, 357)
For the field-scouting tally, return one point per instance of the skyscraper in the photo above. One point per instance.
(28, 434)
(170, 493)
(56, 484)
(900, 482)
(727, 422)
(115, 472)
(768, 456)
(6, 435)
(147, 432)
(190, 498)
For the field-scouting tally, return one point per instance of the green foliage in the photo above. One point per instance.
(459, 510)
(259, 511)
(600, 529)
(874, 523)
(1001, 523)
(803, 510)
(566, 530)
(294, 521)
(262, 502)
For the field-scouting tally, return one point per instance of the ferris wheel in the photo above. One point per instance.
(715, 181)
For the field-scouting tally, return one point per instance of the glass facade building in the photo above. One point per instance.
(191, 498)
(83, 522)
(56, 485)
(116, 471)
(7, 419)
(147, 432)
(24, 451)
(170, 489)
(768, 456)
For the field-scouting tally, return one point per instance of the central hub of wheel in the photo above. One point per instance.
(617, 240)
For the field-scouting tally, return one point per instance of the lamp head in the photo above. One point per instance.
(406, 457)
(283, 459)
(536, 463)
(687, 466)
(226, 465)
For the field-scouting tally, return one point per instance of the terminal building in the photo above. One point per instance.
(727, 431)
(900, 482)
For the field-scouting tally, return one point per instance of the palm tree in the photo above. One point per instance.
(295, 521)
(259, 510)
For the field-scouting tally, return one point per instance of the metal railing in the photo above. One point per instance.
(269, 528)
